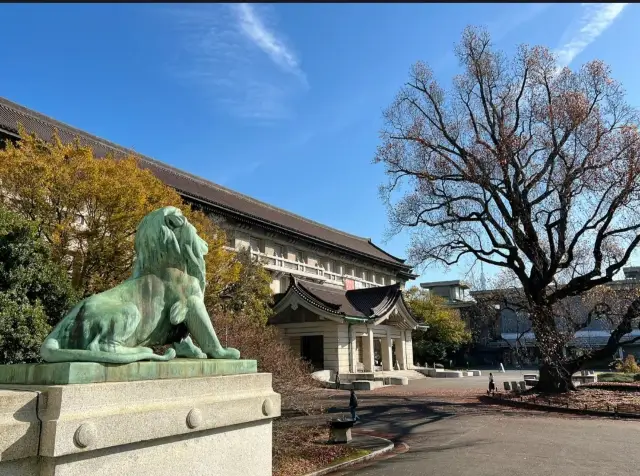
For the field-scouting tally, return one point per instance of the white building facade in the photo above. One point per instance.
(322, 277)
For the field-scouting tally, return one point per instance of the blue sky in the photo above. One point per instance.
(281, 102)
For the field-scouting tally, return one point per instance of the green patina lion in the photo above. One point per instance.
(162, 303)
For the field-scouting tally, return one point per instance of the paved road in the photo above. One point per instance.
(465, 438)
(481, 382)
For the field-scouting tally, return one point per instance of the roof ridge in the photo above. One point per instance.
(386, 252)
(391, 297)
(50, 121)
(195, 178)
(297, 286)
(47, 120)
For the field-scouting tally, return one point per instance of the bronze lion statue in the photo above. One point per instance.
(162, 303)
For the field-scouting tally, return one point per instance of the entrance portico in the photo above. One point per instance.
(356, 328)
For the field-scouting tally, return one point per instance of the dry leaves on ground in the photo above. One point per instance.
(593, 398)
(298, 450)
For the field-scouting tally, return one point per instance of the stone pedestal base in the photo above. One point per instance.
(340, 435)
(178, 426)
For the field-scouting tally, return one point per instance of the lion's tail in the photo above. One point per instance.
(50, 351)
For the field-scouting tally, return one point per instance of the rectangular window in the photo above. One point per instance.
(254, 244)
(299, 256)
(336, 267)
(231, 239)
(273, 249)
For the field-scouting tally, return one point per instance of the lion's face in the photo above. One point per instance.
(166, 239)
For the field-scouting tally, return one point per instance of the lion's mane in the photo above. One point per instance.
(165, 239)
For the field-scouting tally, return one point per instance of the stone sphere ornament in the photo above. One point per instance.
(267, 407)
(85, 436)
(194, 418)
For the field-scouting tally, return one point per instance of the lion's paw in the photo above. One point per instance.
(169, 354)
(229, 354)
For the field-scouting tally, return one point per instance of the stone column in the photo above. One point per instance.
(408, 344)
(353, 357)
(387, 360)
(401, 352)
(367, 350)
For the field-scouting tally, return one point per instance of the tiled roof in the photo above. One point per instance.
(369, 303)
(191, 186)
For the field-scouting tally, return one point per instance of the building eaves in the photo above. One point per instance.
(211, 194)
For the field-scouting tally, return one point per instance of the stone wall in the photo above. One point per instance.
(195, 426)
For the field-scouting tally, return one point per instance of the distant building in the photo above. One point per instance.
(455, 293)
(322, 277)
(500, 330)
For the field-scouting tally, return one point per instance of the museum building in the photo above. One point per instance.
(338, 297)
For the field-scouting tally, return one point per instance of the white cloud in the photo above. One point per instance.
(238, 56)
(254, 28)
(596, 18)
(512, 17)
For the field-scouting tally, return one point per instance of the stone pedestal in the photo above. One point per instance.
(340, 435)
(185, 417)
(340, 431)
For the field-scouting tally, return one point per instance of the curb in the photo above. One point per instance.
(557, 409)
(344, 464)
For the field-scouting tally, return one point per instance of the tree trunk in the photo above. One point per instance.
(556, 370)
(556, 378)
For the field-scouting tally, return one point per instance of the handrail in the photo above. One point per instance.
(318, 272)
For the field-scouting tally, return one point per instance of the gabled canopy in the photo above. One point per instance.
(371, 305)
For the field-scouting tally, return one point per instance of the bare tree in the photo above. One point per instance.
(523, 165)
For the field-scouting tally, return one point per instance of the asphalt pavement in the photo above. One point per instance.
(464, 438)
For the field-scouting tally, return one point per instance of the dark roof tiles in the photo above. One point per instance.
(369, 303)
(195, 187)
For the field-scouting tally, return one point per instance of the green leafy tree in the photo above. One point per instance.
(446, 333)
(34, 291)
(249, 294)
(629, 365)
(87, 209)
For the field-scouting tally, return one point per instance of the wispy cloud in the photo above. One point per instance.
(237, 54)
(513, 16)
(595, 19)
(267, 40)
